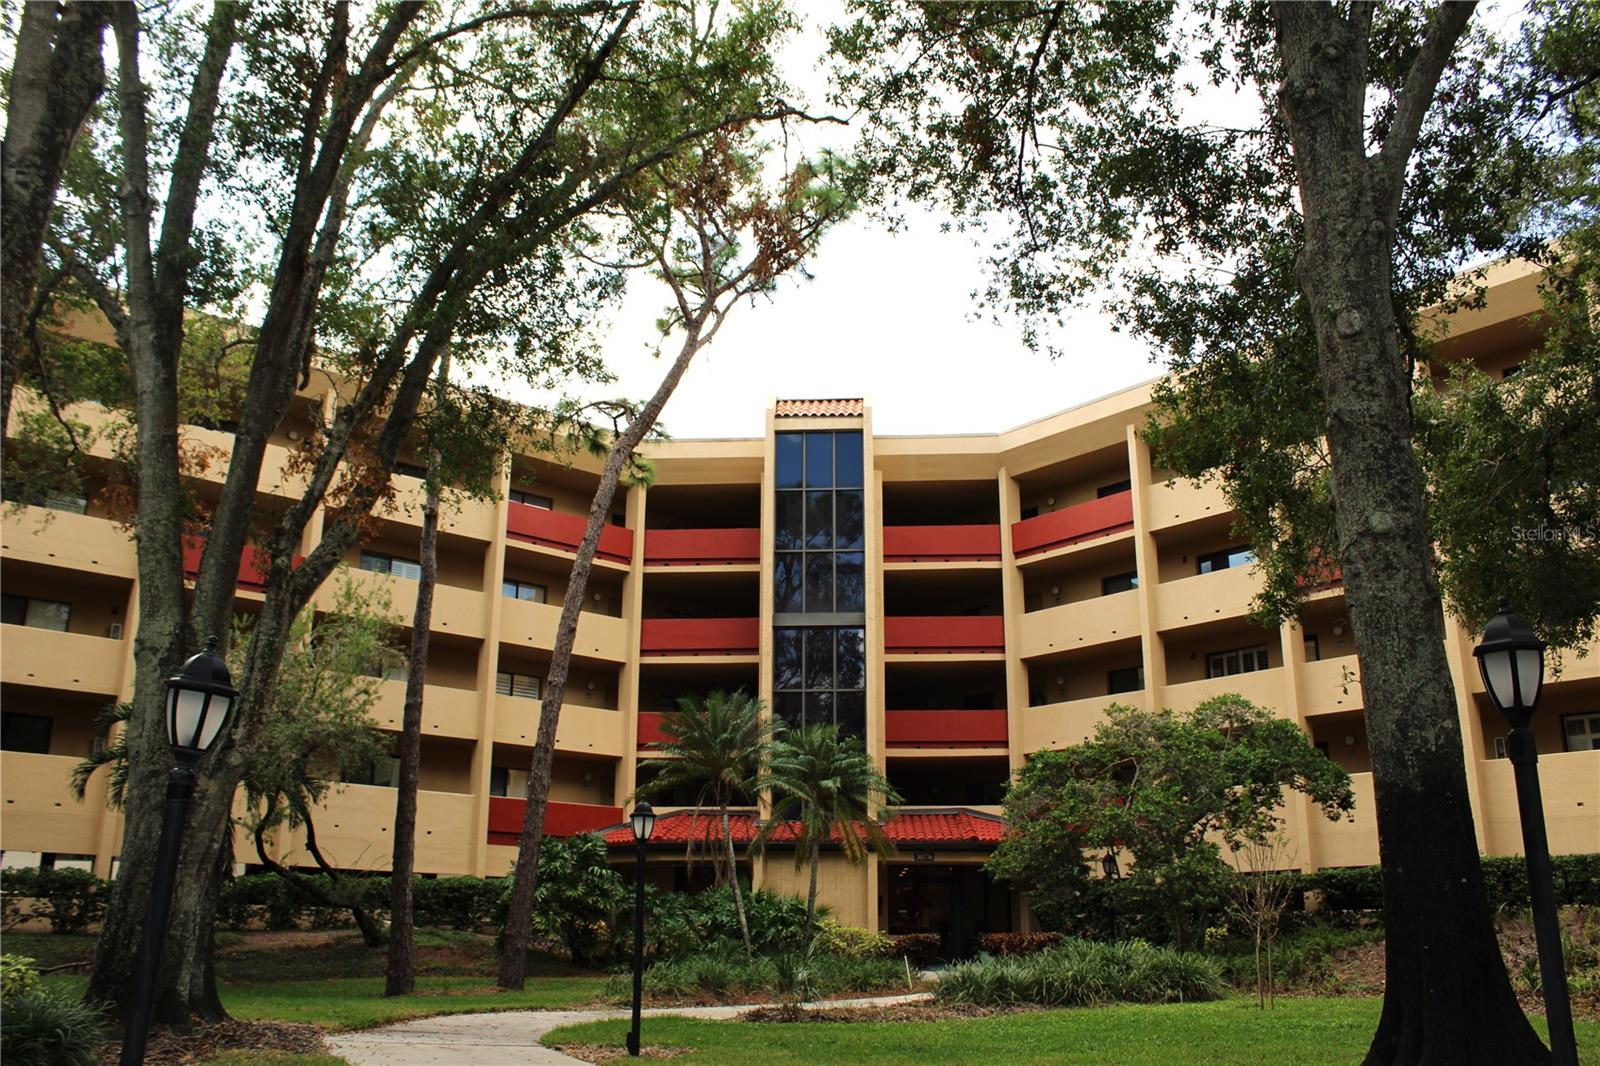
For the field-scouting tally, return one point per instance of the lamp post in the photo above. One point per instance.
(1511, 660)
(643, 820)
(1112, 872)
(199, 701)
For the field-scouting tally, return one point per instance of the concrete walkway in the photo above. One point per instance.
(512, 1037)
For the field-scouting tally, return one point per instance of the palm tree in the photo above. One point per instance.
(718, 745)
(836, 787)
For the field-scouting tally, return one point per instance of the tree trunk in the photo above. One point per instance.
(56, 77)
(733, 874)
(400, 977)
(1447, 997)
(514, 954)
(811, 893)
(313, 891)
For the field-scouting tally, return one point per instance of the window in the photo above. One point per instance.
(1226, 559)
(411, 470)
(1126, 679)
(1498, 749)
(1029, 512)
(25, 732)
(819, 674)
(379, 563)
(1110, 586)
(821, 529)
(523, 686)
(504, 781)
(531, 499)
(1582, 731)
(1238, 661)
(1313, 649)
(1112, 489)
(390, 673)
(40, 614)
(523, 590)
(383, 771)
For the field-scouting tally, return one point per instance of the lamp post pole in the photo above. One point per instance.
(643, 821)
(1511, 660)
(199, 700)
(180, 786)
(1113, 873)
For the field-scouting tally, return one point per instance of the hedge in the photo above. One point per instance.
(1017, 943)
(1360, 888)
(918, 947)
(71, 900)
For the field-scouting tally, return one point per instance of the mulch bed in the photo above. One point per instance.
(169, 1047)
(928, 1011)
(605, 1053)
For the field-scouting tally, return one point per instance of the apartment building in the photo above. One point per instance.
(958, 601)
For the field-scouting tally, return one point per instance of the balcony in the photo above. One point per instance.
(1350, 841)
(61, 538)
(455, 610)
(52, 659)
(464, 518)
(585, 730)
(702, 547)
(650, 732)
(355, 822)
(560, 819)
(553, 529)
(1570, 783)
(1080, 624)
(940, 544)
(253, 563)
(1261, 687)
(533, 625)
(1073, 525)
(945, 729)
(1189, 601)
(1060, 725)
(1330, 685)
(944, 635)
(1184, 501)
(40, 811)
(699, 636)
(446, 712)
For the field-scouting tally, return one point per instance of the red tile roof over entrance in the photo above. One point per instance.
(819, 408)
(956, 827)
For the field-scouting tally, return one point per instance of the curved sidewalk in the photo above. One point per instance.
(513, 1036)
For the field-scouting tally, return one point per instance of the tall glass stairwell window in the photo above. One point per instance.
(819, 671)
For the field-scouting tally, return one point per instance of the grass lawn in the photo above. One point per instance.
(1306, 1032)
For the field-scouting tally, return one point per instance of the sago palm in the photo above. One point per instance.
(717, 746)
(838, 793)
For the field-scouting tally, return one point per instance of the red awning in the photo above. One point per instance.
(955, 827)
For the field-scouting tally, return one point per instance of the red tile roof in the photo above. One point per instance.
(820, 408)
(955, 827)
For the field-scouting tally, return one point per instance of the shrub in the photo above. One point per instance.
(918, 947)
(578, 898)
(17, 977)
(1505, 878)
(681, 924)
(850, 942)
(1017, 943)
(456, 902)
(1301, 958)
(70, 899)
(729, 974)
(1083, 973)
(42, 1028)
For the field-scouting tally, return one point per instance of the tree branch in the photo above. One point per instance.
(1416, 95)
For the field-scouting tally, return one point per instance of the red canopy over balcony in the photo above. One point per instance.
(252, 564)
(946, 634)
(539, 525)
(701, 547)
(1080, 522)
(560, 819)
(699, 636)
(916, 544)
(945, 729)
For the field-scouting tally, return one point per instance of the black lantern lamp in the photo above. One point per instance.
(199, 700)
(1511, 659)
(643, 820)
(1109, 867)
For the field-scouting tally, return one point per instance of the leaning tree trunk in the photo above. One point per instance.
(733, 875)
(56, 77)
(1447, 997)
(310, 889)
(514, 953)
(400, 977)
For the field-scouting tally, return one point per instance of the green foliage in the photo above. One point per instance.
(17, 977)
(1300, 959)
(919, 948)
(71, 900)
(851, 942)
(464, 903)
(578, 897)
(1083, 973)
(1169, 788)
(1017, 943)
(732, 976)
(47, 1028)
(1360, 888)
(680, 924)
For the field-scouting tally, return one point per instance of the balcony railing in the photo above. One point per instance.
(650, 731)
(553, 529)
(701, 547)
(560, 819)
(944, 634)
(1071, 525)
(945, 729)
(253, 564)
(925, 544)
(699, 636)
